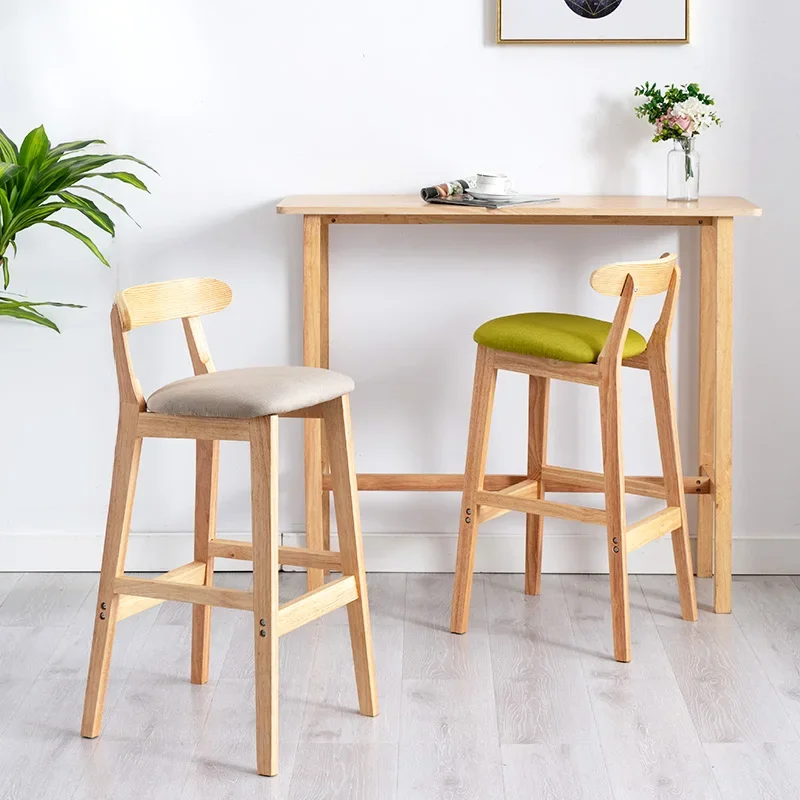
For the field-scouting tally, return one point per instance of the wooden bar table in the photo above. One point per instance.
(713, 215)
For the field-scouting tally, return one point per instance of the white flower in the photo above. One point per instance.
(698, 112)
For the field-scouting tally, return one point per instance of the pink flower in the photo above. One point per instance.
(672, 120)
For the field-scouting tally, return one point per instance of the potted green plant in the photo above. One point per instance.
(38, 181)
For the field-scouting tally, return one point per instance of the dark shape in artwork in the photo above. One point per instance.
(593, 9)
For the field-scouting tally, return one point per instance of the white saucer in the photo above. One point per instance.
(488, 196)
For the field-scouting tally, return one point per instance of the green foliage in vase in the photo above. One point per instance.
(38, 181)
(678, 112)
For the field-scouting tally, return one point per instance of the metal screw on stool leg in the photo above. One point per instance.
(616, 549)
(103, 606)
(102, 615)
(262, 633)
(615, 540)
(263, 623)
(467, 520)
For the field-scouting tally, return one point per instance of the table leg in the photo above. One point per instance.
(315, 348)
(706, 416)
(723, 422)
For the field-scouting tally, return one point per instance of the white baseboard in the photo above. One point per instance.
(388, 552)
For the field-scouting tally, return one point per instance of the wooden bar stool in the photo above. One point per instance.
(588, 351)
(241, 405)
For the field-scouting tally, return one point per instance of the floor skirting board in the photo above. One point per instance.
(387, 552)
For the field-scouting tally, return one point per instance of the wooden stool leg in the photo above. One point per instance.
(611, 425)
(538, 409)
(264, 492)
(477, 447)
(205, 523)
(123, 486)
(348, 520)
(666, 423)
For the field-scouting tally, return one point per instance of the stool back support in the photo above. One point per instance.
(626, 280)
(157, 302)
(149, 303)
(650, 277)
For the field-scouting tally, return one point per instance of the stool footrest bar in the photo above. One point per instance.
(526, 488)
(184, 593)
(653, 527)
(193, 573)
(317, 603)
(595, 516)
(289, 556)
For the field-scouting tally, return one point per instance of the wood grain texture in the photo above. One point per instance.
(317, 603)
(264, 470)
(768, 612)
(348, 518)
(538, 419)
(609, 361)
(546, 772)
(540, 689)
(158, 302)
(430, 651)
(315, 242)
(707, 364)
(41, 599)
(222, 765)
(650, 746)
(129, 605)
(167, 739)
(739, 704)
(118, 524)
(649, 277)
(331, 712)
(723, 417)
(344, 772)
(569, 206)
(765, 771)
(480, 421)
(205, 530)
(449, 744)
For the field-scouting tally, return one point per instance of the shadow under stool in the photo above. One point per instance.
(593, 352)
(239, 405)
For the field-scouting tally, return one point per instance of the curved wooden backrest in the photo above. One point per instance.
(649, 277)
(157, 302)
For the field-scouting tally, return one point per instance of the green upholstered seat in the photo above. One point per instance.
(563, 337)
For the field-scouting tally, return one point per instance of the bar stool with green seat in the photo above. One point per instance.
(589, 351)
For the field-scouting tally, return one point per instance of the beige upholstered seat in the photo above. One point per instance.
(250, 392)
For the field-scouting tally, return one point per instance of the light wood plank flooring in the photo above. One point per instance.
(528, 705)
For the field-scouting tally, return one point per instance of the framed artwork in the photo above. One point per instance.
(593, 21)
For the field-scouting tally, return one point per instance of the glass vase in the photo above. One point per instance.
(683, 171)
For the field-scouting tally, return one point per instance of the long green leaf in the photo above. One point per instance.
(125, 177)
(6, 276)
(8, 149)
(69, 147)
(7, 170)
(5, 208)
(89, 210)
(29, 304)
(30, 217)
(29, 314)
(35, 147)
(80, 236)
(106, 197)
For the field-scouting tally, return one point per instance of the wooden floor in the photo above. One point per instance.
(528, 705)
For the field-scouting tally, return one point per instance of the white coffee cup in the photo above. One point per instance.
(492, 183)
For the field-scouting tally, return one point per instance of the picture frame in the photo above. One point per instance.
(569, 21)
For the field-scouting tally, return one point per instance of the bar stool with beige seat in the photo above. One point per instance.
(588, 351)
(242, 405)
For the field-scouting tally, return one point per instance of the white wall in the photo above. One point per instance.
(238, 104)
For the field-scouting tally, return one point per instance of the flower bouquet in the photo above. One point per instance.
(679, 113)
